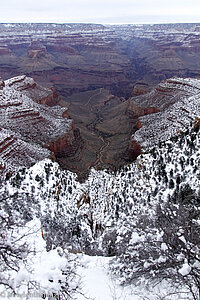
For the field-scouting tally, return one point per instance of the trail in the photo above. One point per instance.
(99, 160)
(94, 131)
(92, 128)
(93, 96)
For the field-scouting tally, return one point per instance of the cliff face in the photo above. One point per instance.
(28, 129)
(72, 58)
(2, 84)
(177, 104)
(80, 57)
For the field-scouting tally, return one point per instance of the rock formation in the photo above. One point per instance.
(2, 83)
(78, 57)
(178, 104)
(30, 131)
(36, 50)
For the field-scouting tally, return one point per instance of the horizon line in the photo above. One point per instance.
(104, 23)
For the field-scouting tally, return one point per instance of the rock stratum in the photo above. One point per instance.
(164, 112)
(30, 131)
(144, 217)
(81, 57)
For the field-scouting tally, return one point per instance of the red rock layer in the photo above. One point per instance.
(28, 127)
(138, 111)
(134, 150)
(178, 105)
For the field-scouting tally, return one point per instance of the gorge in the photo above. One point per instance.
(99, 161)
(98, 71)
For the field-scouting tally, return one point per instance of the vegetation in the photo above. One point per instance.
(146, 216)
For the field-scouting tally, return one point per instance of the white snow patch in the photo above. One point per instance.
(185, 270)
(97, 284)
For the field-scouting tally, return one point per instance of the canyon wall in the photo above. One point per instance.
(172, 106)
(80, 57)
(30, 131)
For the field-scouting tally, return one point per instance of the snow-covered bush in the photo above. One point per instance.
(28, 269)
(179, 221)
(165, 246)
(131, 214)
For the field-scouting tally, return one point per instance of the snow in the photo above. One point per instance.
(27, 125)
(135, 238)
(172, 118)
(41, 272)
(97, 283)
(164, 247)
(185, 269)
(182, 238)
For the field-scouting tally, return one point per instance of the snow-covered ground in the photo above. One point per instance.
(41, 273)
(98, 284)
(96, 281)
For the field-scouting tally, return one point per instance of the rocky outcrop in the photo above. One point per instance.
(134, 150)
(2, 83)
(138, 108)
(37, 93)
(178, 100)
(51, 98)
(60, 144)
(21, 83)
(140, 89)
(30, 131)
(15, 152)
(36, 50)
(136, 111)
(4, 51)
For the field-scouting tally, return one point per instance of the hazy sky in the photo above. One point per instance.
(100, 11)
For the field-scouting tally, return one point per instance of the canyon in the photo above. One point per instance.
(99, 161)
(81, 57)
(112, 83)
(178, 106)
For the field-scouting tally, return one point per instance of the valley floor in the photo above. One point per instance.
(105, 129)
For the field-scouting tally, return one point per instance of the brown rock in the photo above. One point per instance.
(138, 124)
(169, 53)
(62, 48)
(4, 51)
(57, 146)
(36, 53)
(140, 89)
(138, 111)
(2, 83)
(36, 50)
(51, 99)
(65, 114)
(134, 150)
